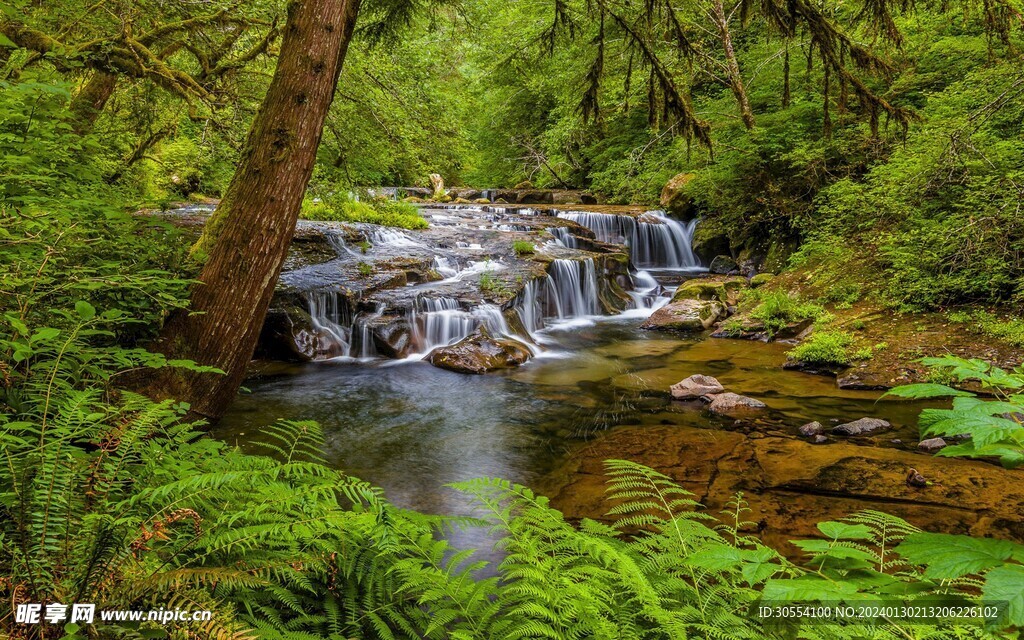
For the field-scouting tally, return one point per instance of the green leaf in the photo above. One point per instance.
(949, 556)
(1006, 583)
(85, 310)
(45, 334)
(926, 390)
(843, 531)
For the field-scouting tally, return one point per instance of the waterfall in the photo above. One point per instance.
(442, 321)
(385, 237)
(655, 241)
(569, 291)
(341, 333)
(564, 237)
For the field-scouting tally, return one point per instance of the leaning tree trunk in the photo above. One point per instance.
(245, 242)
(739, 90)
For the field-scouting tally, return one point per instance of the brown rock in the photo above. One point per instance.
(861, 427)
(674, 198)
(695, 386)
(685, 315)
(931, 445)
(792, 484)
(480, 353)
(734, 405)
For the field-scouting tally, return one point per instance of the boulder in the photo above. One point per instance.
(723, 264)
(534, 196)
(674, 198)
(392, 336)
(761, 279)
(479, 353)
(525, 184)
(685, 315)
(565, 196)
(734, 405)
(437, 182)
(931, 445)
(725, 291)
(861, 427)
(812, 429)
(695, 386)
(819, 439)
(481, 201)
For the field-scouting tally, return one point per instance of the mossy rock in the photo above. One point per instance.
(525, 184)
(462, 201)
(413, 199)
(761, 279)
(501, 201)
(724, 291)
(481, 201)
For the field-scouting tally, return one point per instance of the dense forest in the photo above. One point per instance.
(367, 318)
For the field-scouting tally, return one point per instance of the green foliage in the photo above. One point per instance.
(523, 247)
(776, 309)
(365, 269)
(342, 208)
(992, 428)
(979, 321)
(828, 347)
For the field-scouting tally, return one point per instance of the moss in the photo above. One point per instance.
(761, 279)
(826, 347)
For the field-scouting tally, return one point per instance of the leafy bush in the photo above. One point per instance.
(777, 309)
(979, 321)
(826, 347)
(993, 428)
(523, 247)
(387, 213)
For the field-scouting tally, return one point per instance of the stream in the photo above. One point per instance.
(595, 388)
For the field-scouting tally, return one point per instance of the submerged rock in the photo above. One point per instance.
(861, 427)
(685, 315)
(480, 353)
(931, 445)
(812, 429)
(696, 386)
(734, 405)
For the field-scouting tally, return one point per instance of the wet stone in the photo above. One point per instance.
(696, 386)
(861, 427)
(812, 429)
(931, 445)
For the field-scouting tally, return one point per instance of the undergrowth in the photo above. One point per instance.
(388, 213)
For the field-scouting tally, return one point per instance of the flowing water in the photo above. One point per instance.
(412, 428)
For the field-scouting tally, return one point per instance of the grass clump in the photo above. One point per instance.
(365, 269)
(1010, 330)
(826, 347)
(523, 247)
(777, 309)
(387, 213)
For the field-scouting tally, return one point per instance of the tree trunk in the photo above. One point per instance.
(246, 240)
(90, 100)
(733, 65)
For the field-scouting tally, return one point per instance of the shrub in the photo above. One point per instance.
(386, 213)
(826, 347)
(523, 247)
(777, 309)
(994, 425)
(365, 269)
(1010, 330)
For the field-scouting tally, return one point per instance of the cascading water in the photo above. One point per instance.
(568, 292)
(655, 241)
(564, 237)
(342, 333)
(439, 322)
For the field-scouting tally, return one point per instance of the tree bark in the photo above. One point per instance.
(89, 102)
(246, 240)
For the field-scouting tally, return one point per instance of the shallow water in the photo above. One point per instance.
(411, 428)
